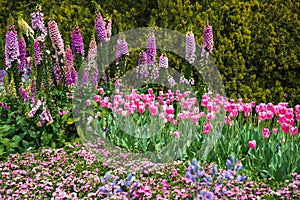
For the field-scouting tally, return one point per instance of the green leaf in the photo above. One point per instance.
(25, 144)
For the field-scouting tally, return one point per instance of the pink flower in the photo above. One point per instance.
(266, 133)
(252, 144)
(285, 127)
(170, 110)
(88, 102)
(293, 131)
(177, 134)
(275, 130)
(210, 116)
(97, 98)
(101, 91)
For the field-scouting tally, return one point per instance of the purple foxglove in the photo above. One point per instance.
(12, 47)
(57, 72)
(142, 58)
(56, 39)
(24, 94)
(38, 23)
(190, 47)
(92, 53)
(122, 48)
(23, 59)
(208, 38)
(77, 42)
(70, 72)
(100, 28)
(85, 77)
(151, 49)
(163, 61)
(38, 55)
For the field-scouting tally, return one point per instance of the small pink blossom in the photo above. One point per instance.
(252, 144)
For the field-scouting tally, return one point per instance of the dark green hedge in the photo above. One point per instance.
(256, 45)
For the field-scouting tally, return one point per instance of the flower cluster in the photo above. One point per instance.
(122, 48)
(190, 47)
(35, 108)
(69, 70)
(12, 47)
(38, 55)
(45, 116)
(112, 186)
(151, 49)
(208, 39)
(56, 39)
(77, 41)
(163, 61)
(92, 53)
(2, 74)
(100, 25)
(209, 185)
(22, 50)
(24, 94)
(38, 23)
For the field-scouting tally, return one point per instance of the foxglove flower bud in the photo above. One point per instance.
(163, 61)
(100, 28)
(151, 49)
(190, 47)
(77, 42)
(208, 38)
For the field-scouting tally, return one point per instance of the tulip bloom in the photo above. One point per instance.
(266, 133)
(252, 144)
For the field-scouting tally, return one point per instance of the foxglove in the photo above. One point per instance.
(190, 47)
(100, 28)
(77, 42)
(108, 29)
(12, 47)
(23, 59)
(38, 55)
(70, 72)
(92, 53)
(163, 61)
(151, 49)
(208, 38)
(38, 23)
(56, 39)
(122, 48)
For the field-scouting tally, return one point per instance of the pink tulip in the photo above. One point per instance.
(293, 131)
(252, 144)
(285, 127)
(266, 133)
(177, 134)
(275, 130)
(170, 110)
(210, 116)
